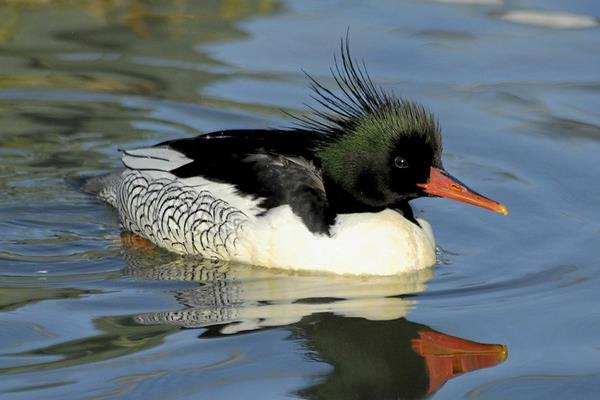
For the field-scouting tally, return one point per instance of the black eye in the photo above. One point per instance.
(400, 162)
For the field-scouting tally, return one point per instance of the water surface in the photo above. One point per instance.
(511, 309)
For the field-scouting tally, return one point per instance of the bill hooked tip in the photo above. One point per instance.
(502, 209)
(493, 206)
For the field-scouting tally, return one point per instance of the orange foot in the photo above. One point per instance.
(137, 243)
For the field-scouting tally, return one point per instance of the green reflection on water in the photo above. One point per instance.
(140, 17)
(149, 48)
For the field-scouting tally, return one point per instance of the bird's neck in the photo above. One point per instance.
(342, 202)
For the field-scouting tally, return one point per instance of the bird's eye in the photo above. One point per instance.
(400, 162)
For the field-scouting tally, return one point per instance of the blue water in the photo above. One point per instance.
(89, 313)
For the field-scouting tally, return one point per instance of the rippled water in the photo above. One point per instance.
(511, 310)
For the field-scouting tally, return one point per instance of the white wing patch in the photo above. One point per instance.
(154, 159)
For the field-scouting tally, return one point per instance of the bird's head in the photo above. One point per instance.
(378, 150)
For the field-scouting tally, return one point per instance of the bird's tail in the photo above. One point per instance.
(104, 186)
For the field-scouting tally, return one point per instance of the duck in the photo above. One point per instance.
(330, 193)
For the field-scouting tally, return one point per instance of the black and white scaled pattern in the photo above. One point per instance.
(181, 218)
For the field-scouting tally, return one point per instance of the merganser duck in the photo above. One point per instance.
(331, 194)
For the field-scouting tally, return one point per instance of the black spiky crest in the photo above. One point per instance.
(360, 100)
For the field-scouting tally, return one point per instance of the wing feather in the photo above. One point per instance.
(293, 181)
(154, 159)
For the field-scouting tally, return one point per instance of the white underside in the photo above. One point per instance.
(383, 243)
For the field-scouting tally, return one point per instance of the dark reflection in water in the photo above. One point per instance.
(388, 359)
(120, 336)
(355, 324)
(13, 298)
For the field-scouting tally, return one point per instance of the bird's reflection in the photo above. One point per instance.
(356, 324)
(396, 359)
(241, 297)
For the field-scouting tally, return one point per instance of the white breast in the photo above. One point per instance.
(383, 243)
